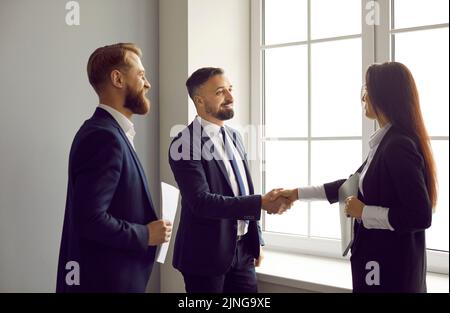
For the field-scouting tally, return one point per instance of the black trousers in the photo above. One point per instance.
(240, 278)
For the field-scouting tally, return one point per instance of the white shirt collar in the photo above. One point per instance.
(209, 128)
(124, 123)
(377, 136)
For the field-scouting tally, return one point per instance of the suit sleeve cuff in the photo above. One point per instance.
(312, 193)
(256, 205)
(143, 236)
(376, 217)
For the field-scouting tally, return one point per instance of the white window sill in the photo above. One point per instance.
(319, 274)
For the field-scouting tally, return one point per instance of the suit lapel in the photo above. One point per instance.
(361, 167)
(219, 163)
(240, 148)
(138, 164)
(375, 160)
(100, 113)
(204, 140)
(373, 165)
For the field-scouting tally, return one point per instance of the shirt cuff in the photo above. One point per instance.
(376, 217)
(312, 193)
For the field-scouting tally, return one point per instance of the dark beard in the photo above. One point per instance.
(222, 115)
(225, 115)
(137, 102)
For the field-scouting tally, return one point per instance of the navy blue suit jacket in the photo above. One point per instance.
(206, 238)
(395, 179)
(108, 206)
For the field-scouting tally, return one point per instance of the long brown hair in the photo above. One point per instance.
(393, 93)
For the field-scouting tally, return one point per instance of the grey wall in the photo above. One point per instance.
(173, 68)
(44, 98)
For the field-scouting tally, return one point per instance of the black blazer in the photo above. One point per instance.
(206, 237)
(107, 209)
(395, 179)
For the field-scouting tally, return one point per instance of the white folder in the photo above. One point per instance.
(349, 188)
(169, 203)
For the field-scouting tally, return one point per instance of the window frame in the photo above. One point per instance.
(377, 41)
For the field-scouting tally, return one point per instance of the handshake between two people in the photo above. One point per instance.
(276, 201)
(279, 200)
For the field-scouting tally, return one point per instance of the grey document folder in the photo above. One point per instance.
(349, 188)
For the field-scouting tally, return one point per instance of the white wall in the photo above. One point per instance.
(219, 36)
(44, 98)
(194, 34)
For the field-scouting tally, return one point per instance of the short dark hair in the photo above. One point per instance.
(106, 59)
(199, 77)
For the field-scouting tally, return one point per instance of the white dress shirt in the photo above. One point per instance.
(373, 217)
(124, 123)
(213, 131)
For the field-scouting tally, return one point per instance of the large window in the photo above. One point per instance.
(419, 39)
(308, 63)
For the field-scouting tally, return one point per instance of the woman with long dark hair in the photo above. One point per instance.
(397, 187)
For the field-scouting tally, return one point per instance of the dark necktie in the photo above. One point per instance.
(231, 157)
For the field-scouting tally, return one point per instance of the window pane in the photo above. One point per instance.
(324, 169)
(331, 18)
(336, 84)
(286, 166)
(437, 234)
(412, 13)
(429, 67)
(286, 92)
(285, 21)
